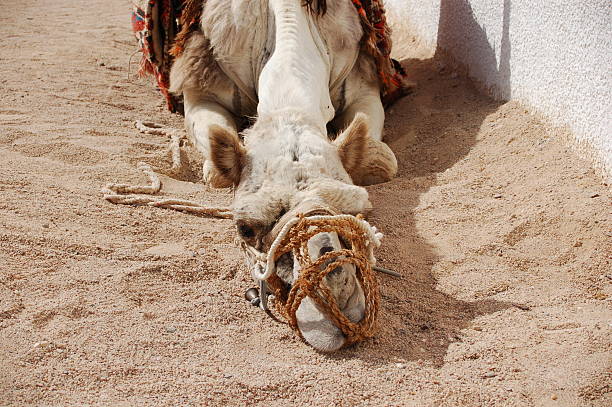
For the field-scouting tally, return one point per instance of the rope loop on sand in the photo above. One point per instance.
(176, 137)
(125, 194)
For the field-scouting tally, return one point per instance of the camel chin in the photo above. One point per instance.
(318, 330)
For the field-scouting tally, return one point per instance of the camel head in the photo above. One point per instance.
(287, 166)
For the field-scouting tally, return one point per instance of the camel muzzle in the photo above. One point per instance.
(333, 298)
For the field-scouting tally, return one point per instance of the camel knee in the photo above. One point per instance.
(379, 164)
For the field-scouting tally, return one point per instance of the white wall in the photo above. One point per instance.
(555, 55)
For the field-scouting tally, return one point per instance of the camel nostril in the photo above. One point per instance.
(325, 249)
(335, 271)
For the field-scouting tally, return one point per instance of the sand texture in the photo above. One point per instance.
(501, 231)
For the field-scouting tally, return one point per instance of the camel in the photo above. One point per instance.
(298, 68)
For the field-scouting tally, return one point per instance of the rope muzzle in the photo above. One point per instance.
(359, 238)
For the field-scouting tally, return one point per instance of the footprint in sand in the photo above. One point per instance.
(13, 117)
(10, 135)
(10, 305)
(64, 152)
(72, 309)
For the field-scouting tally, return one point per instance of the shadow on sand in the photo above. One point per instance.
(429, 131)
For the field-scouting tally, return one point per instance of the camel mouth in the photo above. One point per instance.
(317, 329)
(316, 326)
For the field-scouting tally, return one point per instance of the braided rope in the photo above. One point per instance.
(294, 237)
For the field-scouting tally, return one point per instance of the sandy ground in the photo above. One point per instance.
(501, 232)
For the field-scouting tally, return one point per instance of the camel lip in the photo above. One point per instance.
(316, 326)
(317, 330)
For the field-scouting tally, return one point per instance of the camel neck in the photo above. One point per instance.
(297, 74)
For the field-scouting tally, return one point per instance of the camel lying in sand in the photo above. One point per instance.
(299, 68)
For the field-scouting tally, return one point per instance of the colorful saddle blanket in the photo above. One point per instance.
(162, 26)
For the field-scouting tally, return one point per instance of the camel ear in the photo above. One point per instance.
(352, 143)
(227, 153)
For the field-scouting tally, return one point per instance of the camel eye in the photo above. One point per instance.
(246, 231)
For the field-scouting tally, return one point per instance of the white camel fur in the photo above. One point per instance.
(298, 72)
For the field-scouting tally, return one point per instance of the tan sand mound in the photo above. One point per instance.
(501, 231)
